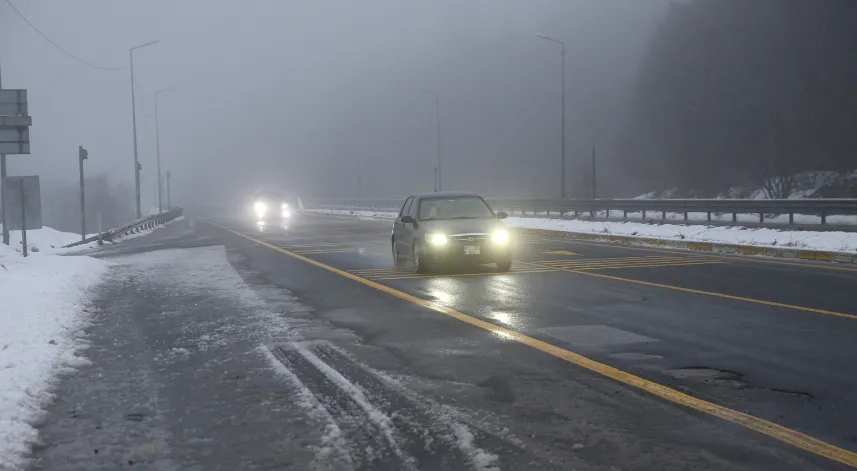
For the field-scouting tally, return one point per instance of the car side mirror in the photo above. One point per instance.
(407, 220)
(502, 215)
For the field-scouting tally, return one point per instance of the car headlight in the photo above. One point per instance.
(260, 208)
(500, 236)
(436, 239)
(284, 206)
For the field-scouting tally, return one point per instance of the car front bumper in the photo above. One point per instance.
(454, 251)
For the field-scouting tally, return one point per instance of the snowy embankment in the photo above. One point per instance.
(761, 237)
(810, 240)
(42, 312)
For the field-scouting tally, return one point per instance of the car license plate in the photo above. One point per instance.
(472, 250)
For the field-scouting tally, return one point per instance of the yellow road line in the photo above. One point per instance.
(617, 259)
(707, 293)
(653, 265)
(771, 429)
(591, 263)
(453, 275)
(630, 260)
(331, 244)
(751, 259)
(307, 252)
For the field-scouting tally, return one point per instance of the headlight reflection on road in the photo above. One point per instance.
(504, 335)
(502, 317)
(442, 290)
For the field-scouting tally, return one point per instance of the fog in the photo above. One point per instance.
(321, 98)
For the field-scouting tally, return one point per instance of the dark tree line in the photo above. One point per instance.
(744, 92)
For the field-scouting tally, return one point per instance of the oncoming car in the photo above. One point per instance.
(268, 206)
(434, 228)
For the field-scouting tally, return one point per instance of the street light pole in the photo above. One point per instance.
(134, 125)
(439, 185)
(3, 182)
(82, 155)
(169, 202)
(158, 145)
(562, 82)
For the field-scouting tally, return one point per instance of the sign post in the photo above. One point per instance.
(23, 221)
(24, 205)
(82, 154)
(14, 139)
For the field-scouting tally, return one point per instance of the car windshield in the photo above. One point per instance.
(461, 207)
(269, 196)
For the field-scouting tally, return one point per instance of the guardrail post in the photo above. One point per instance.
(791, 218)
(824, 218)
(709, 216)
(664, 216)
(685, 216)
(608, 214)
(644, 215)
(761, 217)
(734, 217)
(625, 214)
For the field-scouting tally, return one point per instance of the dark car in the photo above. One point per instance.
(434, 228)
(272, 206)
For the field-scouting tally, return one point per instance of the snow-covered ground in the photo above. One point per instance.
(362, 214)
(811, 240)
(827, 241)
(723, 217)
(46, 240)
(42, 311)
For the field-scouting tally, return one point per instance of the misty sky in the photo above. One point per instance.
(315, 96)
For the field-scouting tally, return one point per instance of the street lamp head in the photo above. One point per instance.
(156, 41)
(544, 36)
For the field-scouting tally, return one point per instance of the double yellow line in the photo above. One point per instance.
(771, 429)
(394, 274)
(626, 262)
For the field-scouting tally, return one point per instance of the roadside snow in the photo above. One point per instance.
(833, 241)
(811, 240)
(42, 313)
(46, 240)
(362, 214)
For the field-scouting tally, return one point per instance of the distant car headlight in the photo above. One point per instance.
(436, 239)
(260, 208)
(284, 206)
(286, 213)
(500, 236)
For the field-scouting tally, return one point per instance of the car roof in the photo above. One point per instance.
(444, 194)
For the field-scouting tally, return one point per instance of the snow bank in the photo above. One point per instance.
(365, 214)
(46, 240)
(811, 240)
(42, 313)
(828, 241)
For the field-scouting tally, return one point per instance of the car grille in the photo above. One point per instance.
(468, 238)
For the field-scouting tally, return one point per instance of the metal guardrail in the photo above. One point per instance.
(559, 207)
(148, 222)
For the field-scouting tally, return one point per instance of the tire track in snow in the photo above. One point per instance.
(375, 424)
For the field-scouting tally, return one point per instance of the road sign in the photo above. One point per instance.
(14, 122)
(23, 203)
(13, 102)
(14, 140)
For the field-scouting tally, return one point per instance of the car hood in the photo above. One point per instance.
(461, 226)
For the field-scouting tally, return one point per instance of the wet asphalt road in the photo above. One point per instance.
(362, 379)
